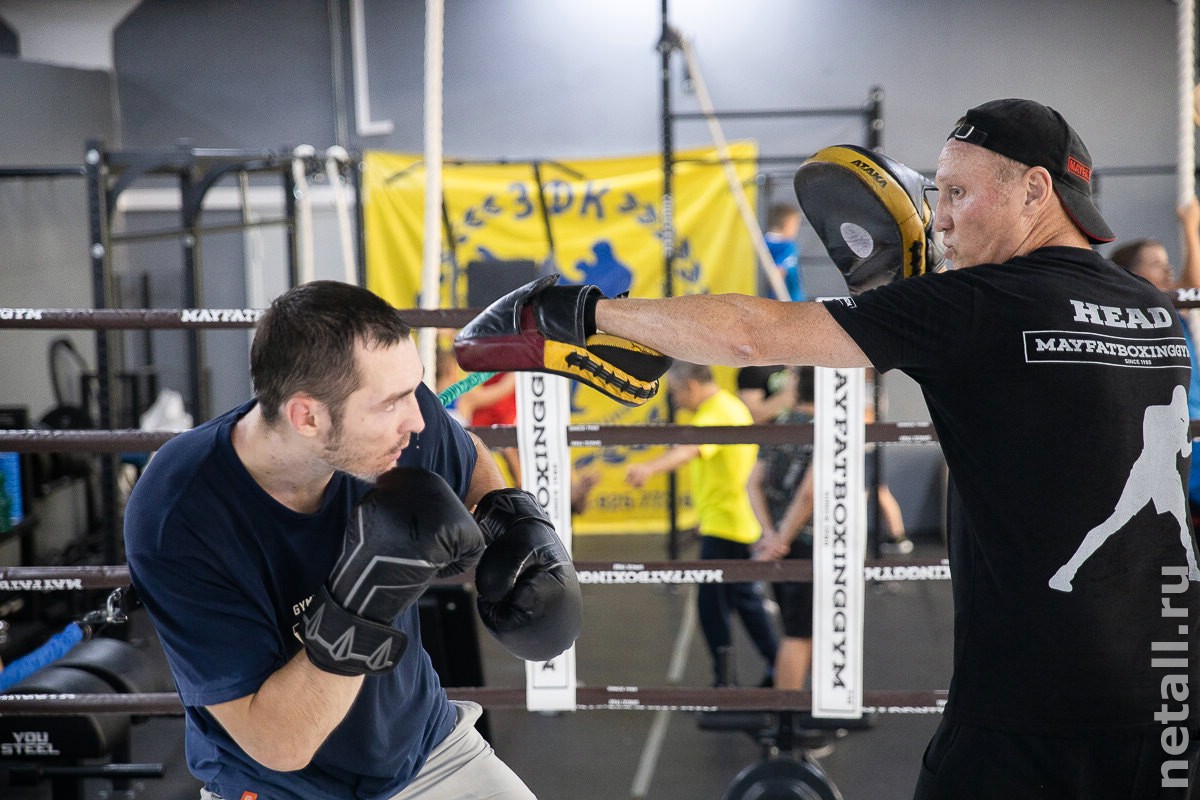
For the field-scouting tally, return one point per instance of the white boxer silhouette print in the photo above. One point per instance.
(1153, 478)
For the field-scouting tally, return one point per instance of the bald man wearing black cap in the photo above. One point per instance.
(1047, 371)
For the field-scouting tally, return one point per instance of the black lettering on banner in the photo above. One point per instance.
(561, 196)
(541, 450)
(523, 205)
(839, 517)
(593, 198)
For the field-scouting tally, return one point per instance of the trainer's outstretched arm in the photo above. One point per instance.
(733, 330)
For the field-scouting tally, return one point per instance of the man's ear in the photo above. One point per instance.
(305, 414)
(1039, 187)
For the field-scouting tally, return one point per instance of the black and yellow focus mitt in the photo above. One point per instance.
(870, 213)
(544, 327)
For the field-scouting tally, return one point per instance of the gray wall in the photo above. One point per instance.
(553, 79)
(49, 114)
(546, 78)
(528, 78)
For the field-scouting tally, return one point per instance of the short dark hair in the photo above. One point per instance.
(1127, 254)
(305, 342)
(780, 213)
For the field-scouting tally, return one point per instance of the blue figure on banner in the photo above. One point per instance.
(605, 271)
(485, 254)
(687, 270)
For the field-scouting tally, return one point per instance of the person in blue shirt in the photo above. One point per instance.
(240, 531)
(783, 226)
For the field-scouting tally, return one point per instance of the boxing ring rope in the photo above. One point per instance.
(202, 318)
(578, 435)
(675, 572)
(595, 573)
(582, 435)
(591, 573)
(589, 698)
(187, 318)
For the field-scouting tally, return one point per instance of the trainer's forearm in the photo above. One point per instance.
(704, 329)
(282, 725)
(733, 330)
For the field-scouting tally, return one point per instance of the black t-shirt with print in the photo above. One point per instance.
(1055, 382)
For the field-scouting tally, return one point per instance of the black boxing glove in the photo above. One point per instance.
(407, 530)
(546, 327)
(528, 592)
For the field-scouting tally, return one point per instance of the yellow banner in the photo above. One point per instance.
(594, 221)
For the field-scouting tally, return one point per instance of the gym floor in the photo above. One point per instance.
(630, 633)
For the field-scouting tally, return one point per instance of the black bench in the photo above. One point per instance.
(788, 769)
(65, 749)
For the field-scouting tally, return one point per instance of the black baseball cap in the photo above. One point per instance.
(1038, 136)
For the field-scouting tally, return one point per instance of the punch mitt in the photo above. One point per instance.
(870, 213)
(544, 327)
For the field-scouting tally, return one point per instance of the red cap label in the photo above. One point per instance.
(1076, 167)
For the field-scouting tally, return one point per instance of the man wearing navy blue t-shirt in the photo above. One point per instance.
(249, 537)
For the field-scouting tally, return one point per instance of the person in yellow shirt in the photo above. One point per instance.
(719, 474)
